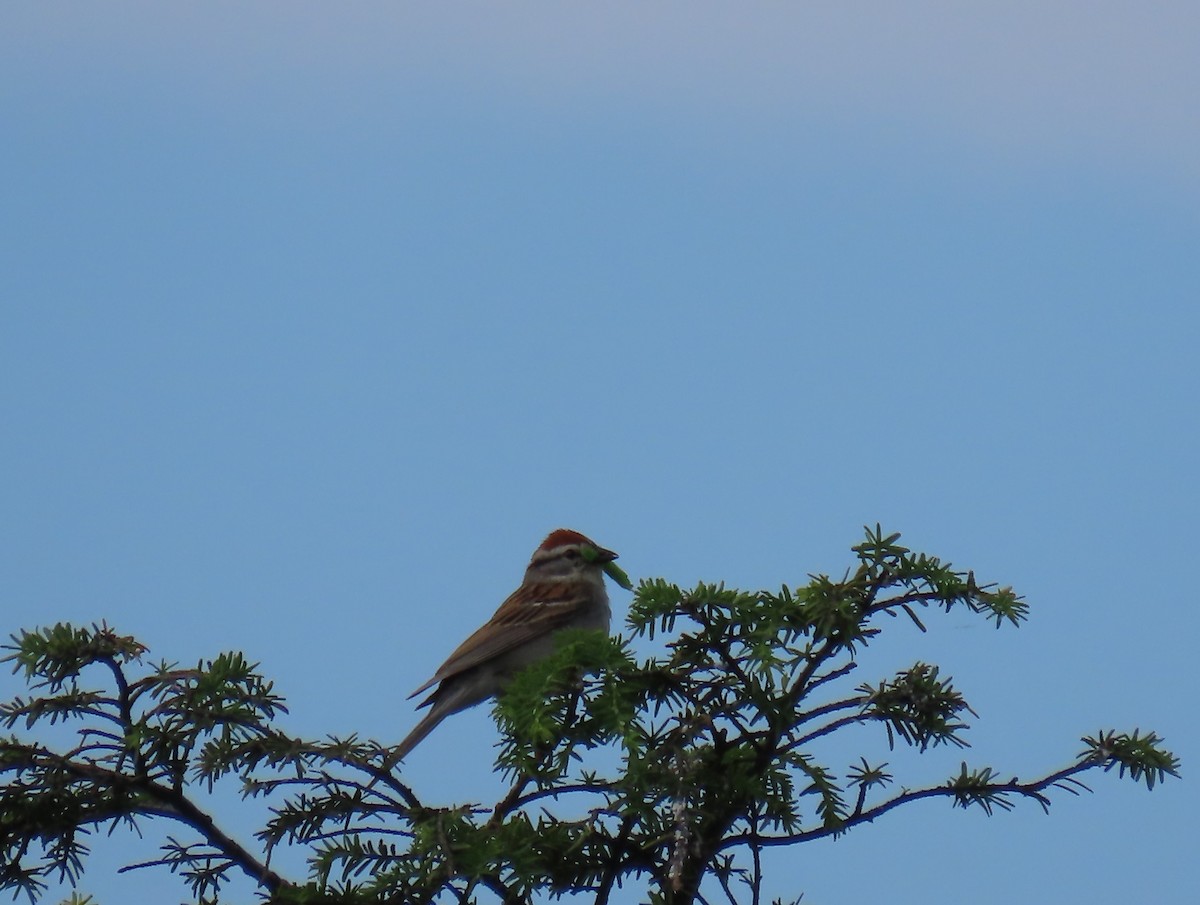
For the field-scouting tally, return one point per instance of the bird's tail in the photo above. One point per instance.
(414, 738)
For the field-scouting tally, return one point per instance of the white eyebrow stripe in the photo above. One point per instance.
(544, 556)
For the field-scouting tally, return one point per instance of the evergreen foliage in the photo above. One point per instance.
(715, 736)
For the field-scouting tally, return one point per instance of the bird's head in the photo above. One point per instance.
(565, 553)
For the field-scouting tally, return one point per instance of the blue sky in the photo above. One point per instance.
(317, 318)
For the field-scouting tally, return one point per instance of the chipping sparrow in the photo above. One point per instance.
(563, 589)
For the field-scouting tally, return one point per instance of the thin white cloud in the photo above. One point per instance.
(1116, 80)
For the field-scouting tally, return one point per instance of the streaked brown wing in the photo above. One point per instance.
(528, 614)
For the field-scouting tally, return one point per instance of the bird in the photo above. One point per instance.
(563, 589)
